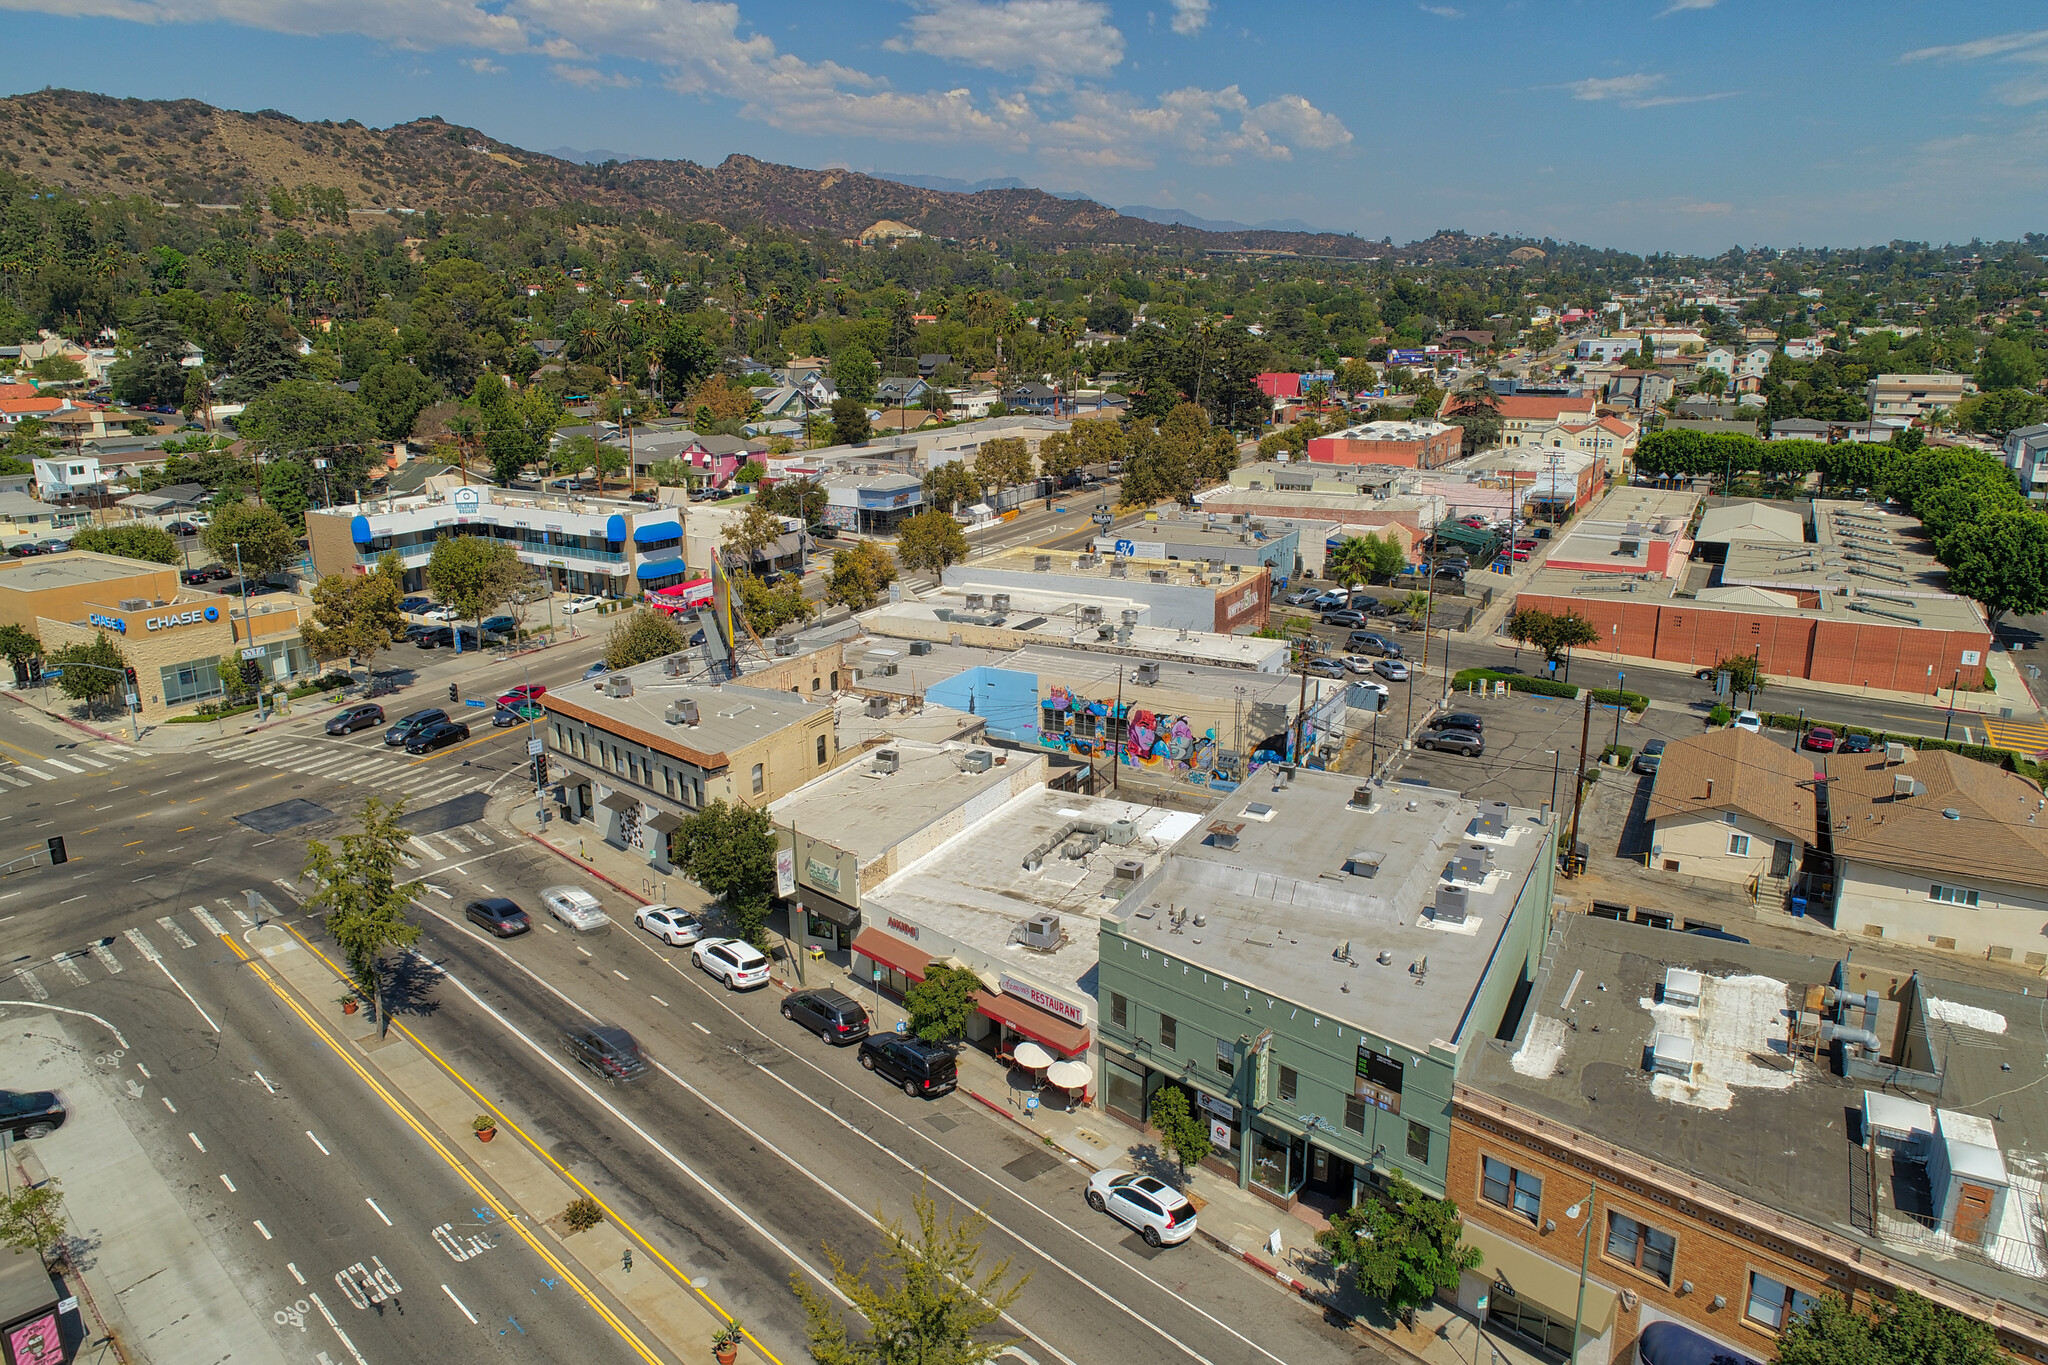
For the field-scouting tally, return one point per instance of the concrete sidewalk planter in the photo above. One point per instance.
(484, 1126)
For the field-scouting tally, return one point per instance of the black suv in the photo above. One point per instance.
(412, 725)
(607, 1049)
(833, 1015)
(498, 915)
(439, 735)
(921, 1068)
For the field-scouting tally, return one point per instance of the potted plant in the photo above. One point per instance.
(485, 1127)
(725, 1342)
(350, 1004)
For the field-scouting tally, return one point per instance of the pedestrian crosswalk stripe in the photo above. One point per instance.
(106, 956)
(95, 762)
(427, 848)
(69, 968)
(33, 772)
(199, 913)
(29, 983)
(143, 945)
(12, 780)
(2023, 736)
(178, 935)
(58, 763)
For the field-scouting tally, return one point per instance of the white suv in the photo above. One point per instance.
(1160, 1213)
(735, 963)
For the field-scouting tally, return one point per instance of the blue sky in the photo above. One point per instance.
(1684, 125)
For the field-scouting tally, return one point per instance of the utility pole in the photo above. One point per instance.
(1579, 778)
(248, 632)
(1300, 720)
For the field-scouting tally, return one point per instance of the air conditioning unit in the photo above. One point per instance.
(785, 646)
(1216, 566)
(1128, 870)
(886, 761)
(878, 707)
(1090, 615)
(999, 602)
(1156, 575)
(886, 670)
(977, 601)
(1041, 563)
(1039, 931)
(1902, 786)
(1120, 832)
(675, 665)
(919, 648)
(617, 685)
(1451, 904)
(1365, 863)
(977, 761)
(1148, 673)
(682, 711)
(1361, 798)
(133, 604)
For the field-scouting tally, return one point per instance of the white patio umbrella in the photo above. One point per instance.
(1070, 1074)
(1030, 1054)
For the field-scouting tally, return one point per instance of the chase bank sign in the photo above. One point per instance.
(110, 622)
(181, 618)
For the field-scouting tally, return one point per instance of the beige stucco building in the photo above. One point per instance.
(1727, 806)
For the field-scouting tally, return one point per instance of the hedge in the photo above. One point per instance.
(1636, 702)
(1521, 682)
(1622, 751)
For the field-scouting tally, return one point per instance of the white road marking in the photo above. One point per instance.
(459, 1248)
(427, 848)
(230, 1184)
(12, 780)
(187, 994)
(583, 950)
(199, 913)
(196, 1142)
(144, 1070)
(170, 926)
(243, 916)
(486, 840)
(295, 1272)
(264, 1230)
(459, 1303)
(165, 1098)
(65, 766)
(659, 1001)
(70, 968)
(33, 772)
(620, 975)
(144, 946)
(700, 1028)
(337, 1329)
(453, 842)
(266, 1082)
(379, 1212)
(105, 954)
(95, 762)
(323, 1151)
(29, 982)
(290, 890)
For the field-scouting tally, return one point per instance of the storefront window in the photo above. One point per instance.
(1276, 1161)
(1123, 1090)
(1510, 1314)
(191, 681)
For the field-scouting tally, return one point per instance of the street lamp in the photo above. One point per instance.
(1556, 768)
(1620, 703)
(1952, 690)
(1585, 1256)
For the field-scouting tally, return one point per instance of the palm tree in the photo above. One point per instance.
(616, 335)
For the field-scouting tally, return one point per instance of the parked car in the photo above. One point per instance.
(1393, 670)
(1855, 744)
(498, 915)
(581, 602)
(1525, 544)
(523, 693)
(414, 629)
(1369, 642)
(1462, 720)
(439, 735)
(440, 613)
(677, 928)
(192, 578)
(1650, 757)
(23, 549)
(1358, 664)
(182, 528)
(31, 1113)
(833, 1015)
(738, 964)
(412, 724)
(824, 531)
(350, 719)
(54, 547)
(1344, 617)
(596, 670)
(505, 717)
(1302, 598)
(1382, 607)
(500, 625)
(415, 604)
(575, 907)
(1820, 739)
(1324, 668)
(219, 573)
(1521, 554)
(644, 495)
(436, 637)
(606, 1049)
(1161, 1214)
(1748, 720)
(1466, 742)
(921, 1068)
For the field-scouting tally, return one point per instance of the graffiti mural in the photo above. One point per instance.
(1169, 745)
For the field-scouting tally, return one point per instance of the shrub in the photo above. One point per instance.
(1521, 682)
(582, 1214)
(1623, 752)
(1636, 702)
(1720, 715)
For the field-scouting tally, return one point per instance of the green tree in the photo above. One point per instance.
(58, 369)
(803, 499)
(934, 1307)
(150, 543)
(2001, 562)
(750, 474)
(948, 485)
(575, 457)
(284, 490)
(1404, 1245)
(860, 575)
(929, 541)
(303, 420)
(1059, 455)
(151, 368)
(32, 1219)
(1003, 462)
(473, 574)
(266, 540)
(850, 425)
(1477, 410)
(2004, 410)
(611, 462)
(1551, 633)
(1350, 564)
(940, 1005)
(2008, 363)
(358, 887)
(750, 535)
(18, 646)
(1183, 1130)
(357, 615)
(641, 636)
(853, 374)
(687, 358)
(728, 848)
(1745, 674)
(97, 674)
(770, 608)
(1910, 1330)
(261, 361)
(394, 395)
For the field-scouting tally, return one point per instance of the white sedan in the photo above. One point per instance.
(575, 907)
(1750, 721)
(672, 926)
(581, 602)
(441, 613)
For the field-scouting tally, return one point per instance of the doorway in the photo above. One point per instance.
(1331, 1182)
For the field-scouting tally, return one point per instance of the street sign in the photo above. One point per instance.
(533, 746)
(474, 702)
(132, 699)
(253, 652)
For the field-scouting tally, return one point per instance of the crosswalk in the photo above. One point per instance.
(389, 770)
(109, 957)
(2021, 736)
(77, 762)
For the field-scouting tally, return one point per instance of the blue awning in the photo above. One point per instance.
(661, 568)
(359, 531)
(1669, 1343)
(663, 530)
(615, 528)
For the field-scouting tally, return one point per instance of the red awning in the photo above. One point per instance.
(1067, 1039)
(891, 951)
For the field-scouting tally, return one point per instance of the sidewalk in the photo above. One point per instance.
(1235, 1220)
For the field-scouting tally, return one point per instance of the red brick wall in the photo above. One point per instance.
(1430, 453)
(1244, 606)
(1857, 652)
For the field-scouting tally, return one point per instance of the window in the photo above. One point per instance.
(1738, 845)
(668, 781)
(1418, 1142)
(1119, 1010)
(1640, 1245)
(1290, 1084)
(1950, 895)
(1727, 817)
(558, 734)
(1226, 1056)
(1169, 1031)
(760, 780)
(1772, 1304)
(1354, 1113)
(835, 680)
(814, 683)
(191, 681)
(1518, 1191)
(821, 744)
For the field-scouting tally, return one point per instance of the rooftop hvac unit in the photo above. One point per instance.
(1365, 863)
(1119, 569)
(886, 761)
(785, 645)
(1105, 632)
(1257, 528)
(1224, 836)
(674, 666)
(1156, 575)
(1361, 798)
(1129, 871)
(133, 603)
(1902, 785)
(1894, 753)
(1148, 673)
(1237, 571)
(1682, 987)
(1041, 563)
(1630, 548)
(1087, 561)
(977, 601)
(1040, 931)
(977, 761)
(1130, 616)
(1090, 615)
(1672, 1055)
(878, 707)
(920, 647)
(1491, 822)
(1120, 832)
(1283, 776)
(617, 685)
(682, 711)
(1215, 566)
(1451, 904)
(1000, 602)
(886, 669)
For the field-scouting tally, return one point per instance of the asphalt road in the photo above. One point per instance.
(749, 1151)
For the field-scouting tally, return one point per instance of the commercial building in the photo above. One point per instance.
(1542, 483)
(1180, 595)
(1217, 538)
(1015, 898)
(1739, 1131)
(640, 749)
(921, 630)
(1354, 512)
(2026, 454)
(1312, 962)
(1633, 531)
(1410, 445)
(174, 639)
(608, 547)
(1524, 413)
(1916, 395)
(873, 503)
(1299, 476)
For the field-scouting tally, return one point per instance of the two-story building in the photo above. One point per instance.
(2026, 454)
(1916, 395)
(1412, 445)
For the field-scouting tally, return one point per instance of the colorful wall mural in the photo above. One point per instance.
(1175, 747)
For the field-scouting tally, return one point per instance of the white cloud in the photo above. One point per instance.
(2032, 41)
(1208, 127)
(1442, 11)
(1659, 101)
(1064, 37)
(1613, 87)
(483, 66)
(1709, 207)
(1190, 17)
(590, 78)
(1680, 6)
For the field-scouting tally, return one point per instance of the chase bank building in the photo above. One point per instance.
(178, 640)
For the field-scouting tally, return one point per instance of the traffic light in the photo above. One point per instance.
(252, 673)
(35, 671)
(454, 692)
(130, 673)
(540, 770)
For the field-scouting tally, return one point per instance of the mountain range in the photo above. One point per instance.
(189, 153)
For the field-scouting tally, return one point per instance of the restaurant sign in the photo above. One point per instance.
(1045, 1000)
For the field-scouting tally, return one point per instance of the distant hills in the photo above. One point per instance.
(1186, 219)
(596, 156)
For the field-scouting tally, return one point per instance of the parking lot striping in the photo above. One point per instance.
(266, 1234)
(583, 950)
(379, 1212)
(659, 1001)
(700, 1028)
(318, 1143)
(167, 1103)
(229, 1183)
(196, 1142)
(458, 1303)
(620, 975)
(295, 1272)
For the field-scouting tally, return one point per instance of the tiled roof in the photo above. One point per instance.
(1999, 830)
(1736, 770)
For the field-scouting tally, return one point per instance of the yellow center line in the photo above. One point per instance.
(245, 784)
(94, 830)
(454, 1163)
(131, 844)
(30, 752)
(540, 1151)
(188, 829)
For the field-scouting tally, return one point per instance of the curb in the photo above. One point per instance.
(1308, 1293)
(74, 724)
(618, 886)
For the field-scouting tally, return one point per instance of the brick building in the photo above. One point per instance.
(1411, 445)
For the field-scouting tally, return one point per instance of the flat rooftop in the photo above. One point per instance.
(1041, 618)
(1345, 507)
(1296, 888)
(854, 807)
(730, 715)
(74, 569)
(1667, 510)
(930, 723)
(974, 888)
(1872, 605)
(1109, 570)
(1784, 1133)
(1086, 671)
